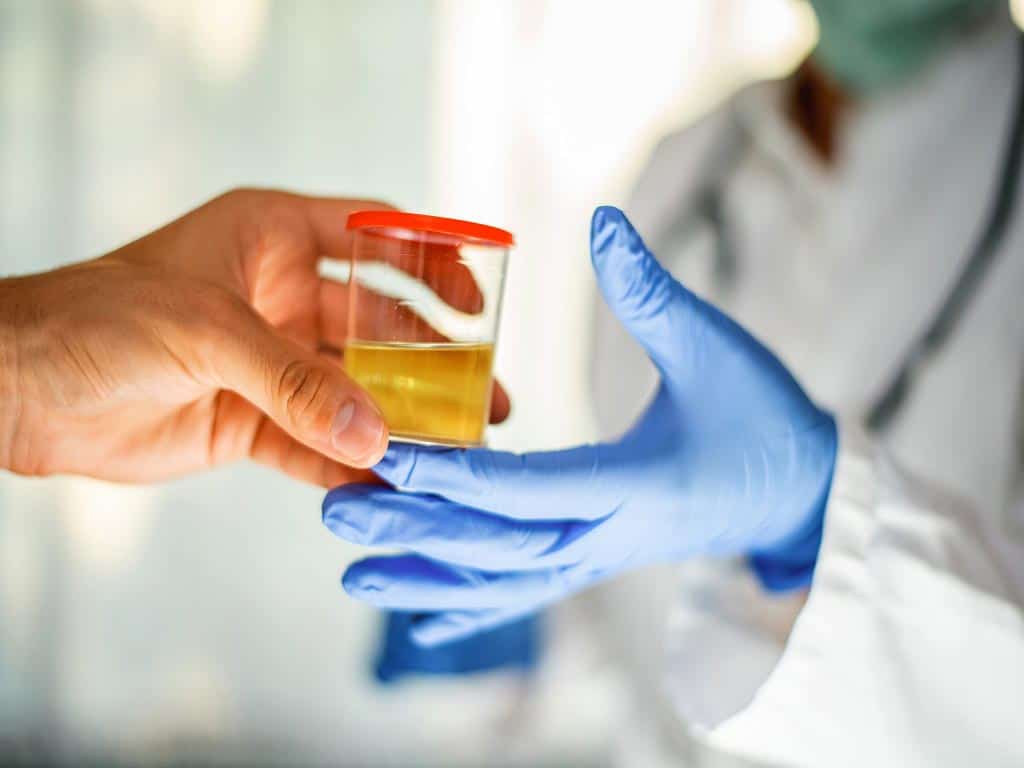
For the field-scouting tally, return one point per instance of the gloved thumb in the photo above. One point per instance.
(652, 305)
(307, 395)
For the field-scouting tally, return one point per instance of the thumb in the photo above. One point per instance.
(307, 395)
(652, 305)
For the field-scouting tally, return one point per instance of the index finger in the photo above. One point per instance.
(327, 217)
(574, 484)
(439, 265)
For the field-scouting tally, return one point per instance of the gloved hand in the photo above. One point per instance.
(731, 457)
(511, 647)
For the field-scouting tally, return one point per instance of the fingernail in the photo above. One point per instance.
(358, 431)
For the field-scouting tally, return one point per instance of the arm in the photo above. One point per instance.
(910, 649)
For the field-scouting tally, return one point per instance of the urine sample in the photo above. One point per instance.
(424, 301)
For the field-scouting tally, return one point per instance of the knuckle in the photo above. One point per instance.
(304, 390)
(209, 321)
(29, 461)
(375, 202)
(239, 195)
(650, 290)
(208, 306)
(248, 202)
(223, 308)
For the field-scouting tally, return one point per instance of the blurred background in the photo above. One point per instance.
(202, 621)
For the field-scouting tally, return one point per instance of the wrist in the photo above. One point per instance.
(789, 563)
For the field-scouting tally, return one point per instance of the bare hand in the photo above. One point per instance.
(193, 346)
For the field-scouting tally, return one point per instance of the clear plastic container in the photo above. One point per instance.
(424, 301)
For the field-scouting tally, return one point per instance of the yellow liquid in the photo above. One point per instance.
(437, 393)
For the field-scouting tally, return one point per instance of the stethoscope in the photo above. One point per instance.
(888, 404)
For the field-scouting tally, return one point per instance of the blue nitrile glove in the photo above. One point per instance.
(731, 457)
(512, 647)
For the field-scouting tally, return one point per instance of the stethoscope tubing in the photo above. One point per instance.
(983, 255)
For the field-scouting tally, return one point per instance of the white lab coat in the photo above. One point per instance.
(910, 647)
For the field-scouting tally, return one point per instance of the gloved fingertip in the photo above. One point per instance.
(605, 226)
(348, 529)
(606, 216)
(343, 514)
(332, 501)
(343, 494)
(359, 583)
(384, 674)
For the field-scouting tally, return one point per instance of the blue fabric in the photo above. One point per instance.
(515, 646)
(731, 457)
